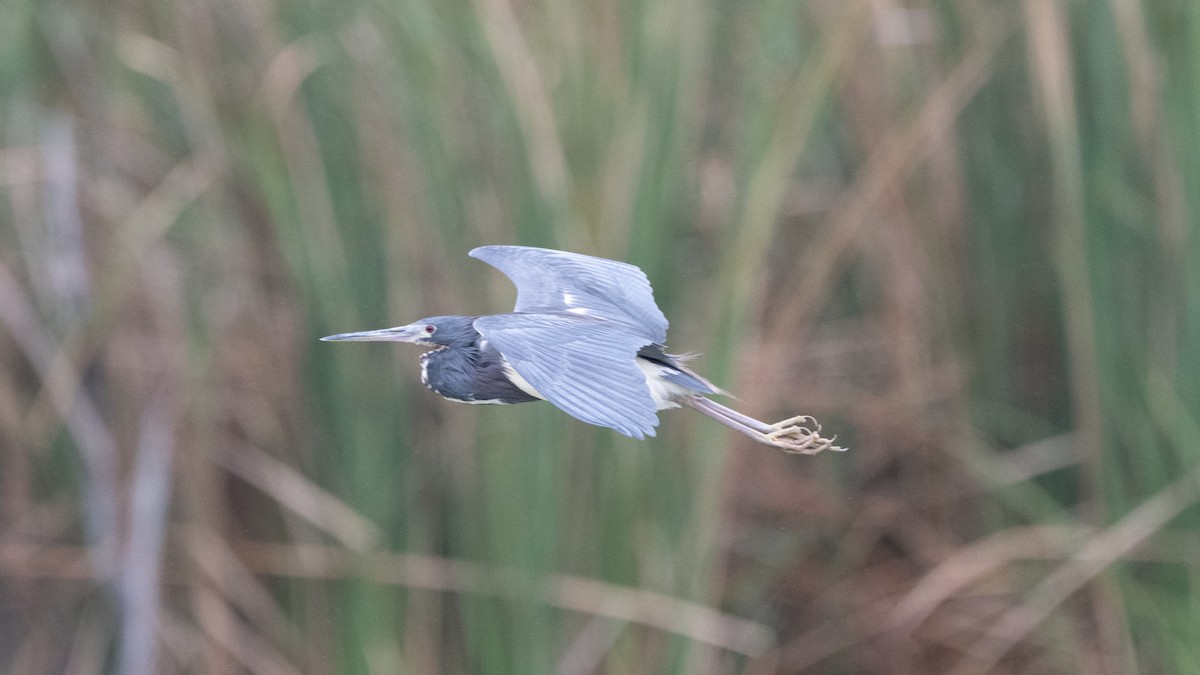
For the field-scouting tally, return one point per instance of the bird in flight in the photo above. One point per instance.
(585, 335)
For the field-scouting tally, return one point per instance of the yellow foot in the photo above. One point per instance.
(795, 437)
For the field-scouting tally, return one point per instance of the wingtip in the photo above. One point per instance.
(649, 430)
(480, 252)
(640, 433)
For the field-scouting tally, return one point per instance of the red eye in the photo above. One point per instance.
(429, 329)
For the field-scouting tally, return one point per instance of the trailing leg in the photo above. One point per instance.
(793, 435)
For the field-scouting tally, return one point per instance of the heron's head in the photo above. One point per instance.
(438, 331)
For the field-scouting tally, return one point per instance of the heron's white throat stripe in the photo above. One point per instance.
(425, 364)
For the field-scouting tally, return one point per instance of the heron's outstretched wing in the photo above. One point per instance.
(585, 366)
(557, 281)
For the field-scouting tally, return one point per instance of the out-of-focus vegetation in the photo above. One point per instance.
(960, 233)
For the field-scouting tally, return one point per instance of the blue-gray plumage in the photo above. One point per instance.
(585, 335)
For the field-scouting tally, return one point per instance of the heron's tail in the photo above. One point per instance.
(686, 377)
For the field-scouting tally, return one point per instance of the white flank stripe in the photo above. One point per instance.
(521, 383)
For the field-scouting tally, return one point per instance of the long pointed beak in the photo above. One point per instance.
(409, 333)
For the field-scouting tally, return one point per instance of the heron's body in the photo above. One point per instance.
(585, 335)
(496, 382)
(493, 382)
(471, 371)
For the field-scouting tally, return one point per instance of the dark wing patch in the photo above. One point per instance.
(584, 366)
(550, 281)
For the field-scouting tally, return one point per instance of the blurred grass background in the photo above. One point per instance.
(960, 233)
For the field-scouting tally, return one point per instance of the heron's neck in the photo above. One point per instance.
(444, 366)
(469, 374)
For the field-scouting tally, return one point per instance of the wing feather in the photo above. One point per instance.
(551, 281)
(584, 366)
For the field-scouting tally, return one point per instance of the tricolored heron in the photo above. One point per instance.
(585, 335)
